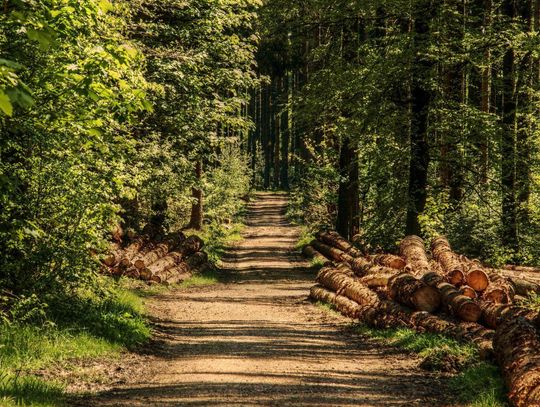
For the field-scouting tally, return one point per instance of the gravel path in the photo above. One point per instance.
(255, 340)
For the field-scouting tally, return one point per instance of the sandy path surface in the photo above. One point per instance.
(255, 340)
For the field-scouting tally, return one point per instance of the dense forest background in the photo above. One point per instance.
(381, 117)
(388, 118)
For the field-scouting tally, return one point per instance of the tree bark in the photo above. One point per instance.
(508, 145)
(420, 102)
(196, 220)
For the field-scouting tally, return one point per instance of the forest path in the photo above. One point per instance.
(256, 340)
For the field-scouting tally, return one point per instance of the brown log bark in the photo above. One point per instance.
(449, 261)
(457, 304)
(414, 293)
(165, 263)
(310, 253)
(142, 261)
(191, 245)
(196, 260)
(495, 314)
(334, 239)
(330, 252)
(113, 257)
(521, 283)
(516, 346)
(387, 314)
(389, 260)
(413, 251)
(131, 251)
(345, 284)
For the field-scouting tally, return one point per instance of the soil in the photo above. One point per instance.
(255, 339)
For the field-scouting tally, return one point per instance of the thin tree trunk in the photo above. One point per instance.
(348, 197)
(285, 135)
(196, 220)
(508, 147)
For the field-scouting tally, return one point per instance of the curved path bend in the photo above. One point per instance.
(256, 340)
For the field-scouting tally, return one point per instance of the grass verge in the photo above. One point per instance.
(83, 326)
(475, 383)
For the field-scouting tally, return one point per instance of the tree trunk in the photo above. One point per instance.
(420, 101)
(508, 145)
(285, 135)
(348, 213)
(196, 220)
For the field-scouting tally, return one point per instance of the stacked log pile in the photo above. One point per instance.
(443, 293)
(168, 260)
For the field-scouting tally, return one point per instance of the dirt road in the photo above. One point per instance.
(255, 340)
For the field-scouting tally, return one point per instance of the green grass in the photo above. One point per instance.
(480, 385)
(326, 307)
(208, 278)
(437, 351)
(79, 327)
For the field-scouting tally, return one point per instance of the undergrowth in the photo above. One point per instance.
(85, 325)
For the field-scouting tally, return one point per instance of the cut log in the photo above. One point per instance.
(144, 260)
(196, 260)
(165, 276)
(331, 252)
(449, 261)
(310, 253)
(494, 314)
(477, 278)
(414, 293)
(457, 304)
(346, 285)
(387, 314)
(413, 251)
(513, 285)
(526, 269)
(165, 263)
(113, 257)
(389, 260)
(516, 346)
(334, 239)
(131, 251)
(468, 292)
(191, 245)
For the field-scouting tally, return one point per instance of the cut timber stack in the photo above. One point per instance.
(169, 260)
(477, 303)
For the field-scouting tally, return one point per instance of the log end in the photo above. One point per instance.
(477, 279)
(456, 277)
(468, 292)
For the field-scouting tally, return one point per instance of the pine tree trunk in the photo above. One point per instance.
(196, 220)
(421, 98)
(508, 145)
(285, 135)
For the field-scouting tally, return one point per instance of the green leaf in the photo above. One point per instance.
(5, 104)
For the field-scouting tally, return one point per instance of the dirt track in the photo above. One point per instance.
(255, 340)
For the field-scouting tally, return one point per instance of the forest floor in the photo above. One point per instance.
(255, 339)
